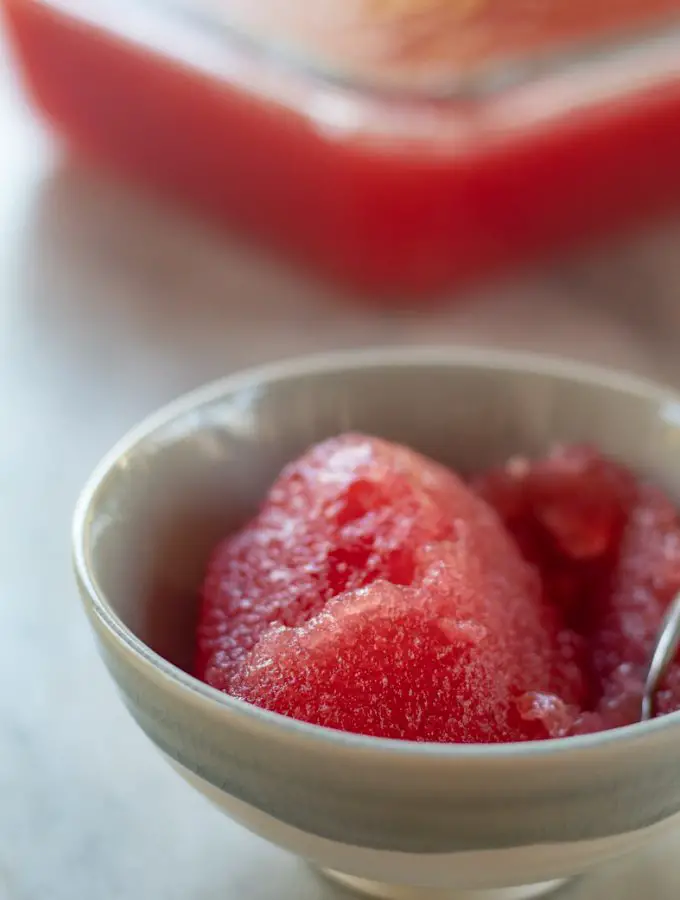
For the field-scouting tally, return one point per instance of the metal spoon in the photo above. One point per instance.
(665, 649)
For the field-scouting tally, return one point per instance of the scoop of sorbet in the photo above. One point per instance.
(376, 593)
(607, 549)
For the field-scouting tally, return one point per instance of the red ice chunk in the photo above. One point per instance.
(367, 565)
(645, 580)
(573, 501)
(350, 511)
(608, 551)
(376, 593)
(461, 656)
(567, 512)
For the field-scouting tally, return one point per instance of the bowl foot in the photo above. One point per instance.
(402, 892)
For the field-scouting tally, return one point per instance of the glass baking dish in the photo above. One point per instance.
(397, 180)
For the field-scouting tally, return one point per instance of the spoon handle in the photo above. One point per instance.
(665, 649)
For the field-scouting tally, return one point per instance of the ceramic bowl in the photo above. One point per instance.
(391, 818)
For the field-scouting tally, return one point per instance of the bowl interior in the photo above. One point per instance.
(200, 468)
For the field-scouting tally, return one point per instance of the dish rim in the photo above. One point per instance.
(489, 80)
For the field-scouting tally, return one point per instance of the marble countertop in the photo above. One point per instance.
(110, 304)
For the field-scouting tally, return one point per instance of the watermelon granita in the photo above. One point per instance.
(376, 592)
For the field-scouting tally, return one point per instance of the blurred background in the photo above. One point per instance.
(115, 296)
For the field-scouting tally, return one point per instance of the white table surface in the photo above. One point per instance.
(111, 304)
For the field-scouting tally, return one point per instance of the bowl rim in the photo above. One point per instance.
(442, 356)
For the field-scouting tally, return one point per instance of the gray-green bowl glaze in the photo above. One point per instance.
(440, 815)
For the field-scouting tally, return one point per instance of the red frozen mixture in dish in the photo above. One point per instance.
(376, 592)
(391, 196)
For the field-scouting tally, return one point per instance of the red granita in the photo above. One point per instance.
(375, 592)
